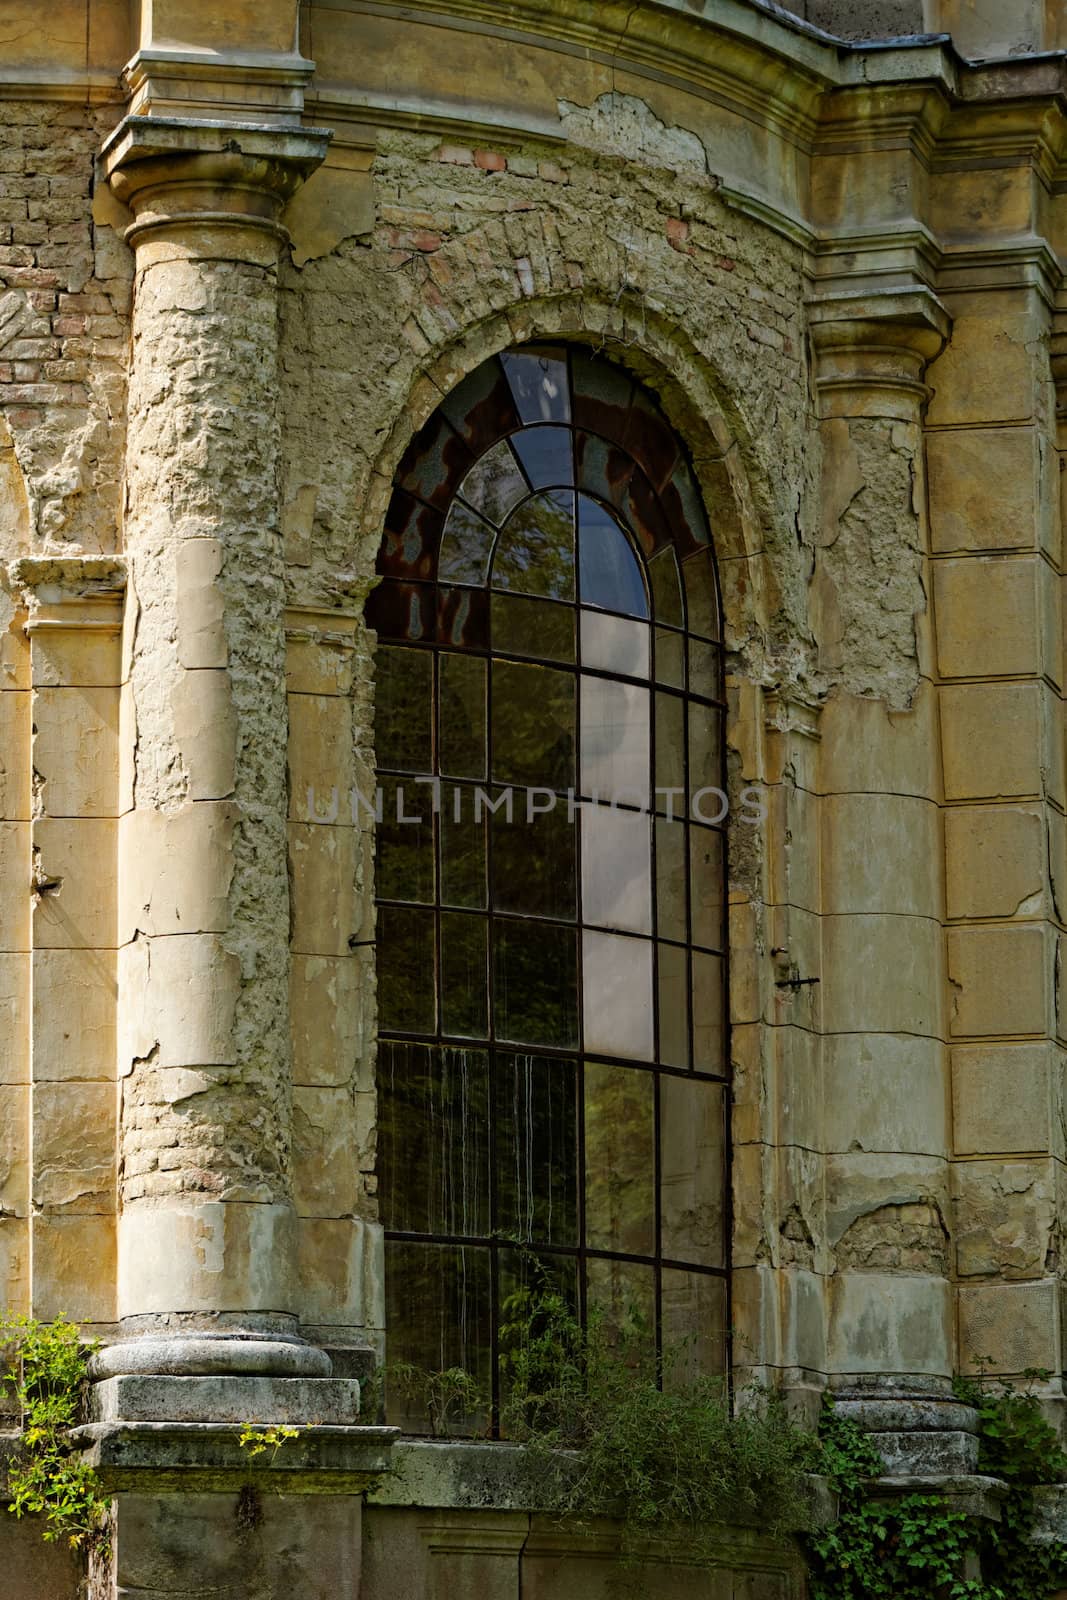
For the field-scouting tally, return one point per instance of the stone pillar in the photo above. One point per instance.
(997, 562)
(890, 1324)
(206, 1233)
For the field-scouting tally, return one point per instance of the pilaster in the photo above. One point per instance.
(890, 1329)
(208, 1227)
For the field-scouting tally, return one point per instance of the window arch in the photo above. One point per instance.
(550, 868)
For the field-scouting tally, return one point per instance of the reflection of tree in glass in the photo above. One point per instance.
(535, 551)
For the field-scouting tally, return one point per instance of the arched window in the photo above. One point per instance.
(551, 946)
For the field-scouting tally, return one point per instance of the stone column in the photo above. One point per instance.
(206, 1232)
(890, 1323)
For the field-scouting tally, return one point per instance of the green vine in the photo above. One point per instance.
(919, 1548)
(46, 1368)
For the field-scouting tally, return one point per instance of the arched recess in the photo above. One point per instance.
(552, 985)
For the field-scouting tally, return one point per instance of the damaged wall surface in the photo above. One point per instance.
(245, 254)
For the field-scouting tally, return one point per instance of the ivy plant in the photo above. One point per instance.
(46, 1369)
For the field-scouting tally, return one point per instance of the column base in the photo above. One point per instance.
(209, 1355)
(923, 1436)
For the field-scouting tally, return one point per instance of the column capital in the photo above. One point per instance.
(187, 175)
(872, 351)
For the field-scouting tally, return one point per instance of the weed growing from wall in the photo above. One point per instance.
(46, 1368)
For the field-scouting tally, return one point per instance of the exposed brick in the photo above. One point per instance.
(490, 161)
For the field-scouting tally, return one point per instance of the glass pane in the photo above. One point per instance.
(620, 1159)
(609, 576)
(437, 1300)
(433, 462)
(538, 380)
(547, 455)
(462, 850)
(536, 1151)
(616, 869)
(617, 995)
(404, 842)
(615, 644)
(670, 658)
(461, 735)
(670, 750)
(466, 545)
(462, 618)
(671, 879)
(494, 485)
(624, 1295)
(692, 1173)
(540, 628)
(708, 1003)
(694, 1326)
(705, 765)
(706, 880)
(525, 1281)
(533, 858)
(535, 551)
(411, 538)
(464, 975)
(533, 725)
(666, 588)
(701, 602)
(433, 1139)
(406, 1002)
(535, 984)
(705, 669)
(615, 741)
(601, 395)
(673, 980)
(404, 709)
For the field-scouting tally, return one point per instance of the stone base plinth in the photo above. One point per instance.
(301, 1402)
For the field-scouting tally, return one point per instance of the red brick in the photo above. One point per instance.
(490, 161)
(457, 154)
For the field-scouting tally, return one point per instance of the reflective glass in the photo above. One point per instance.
(535, 984)
(406, 986)
(609, 576)
(673, 989)
(405, 867)
(538, 381)
(692, 1170)
(464, 975)
(624, 1295)
(403, 726)
(705, 669)
(540, 628)
(694, 1326)
(701, 602)
(617, 1010)
(670, 750)
(706, 878)
(462, 725)
(620, 1159)
(666, 588)
(494, 485)
(437, 1300)
(433, 1139)
(670, 658)
(616, 869)
(708, 1001)
(466, 545)
(462, 849)
(705, 761)
(533, 725)
(535, 551)
(615, 741)
(671, 878)
(536, 1155)
(614, 644)
(533, 858)
(547, 456)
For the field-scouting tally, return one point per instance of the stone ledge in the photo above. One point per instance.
(974, 1494)
(448, 1475)
(208, 1456)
